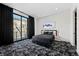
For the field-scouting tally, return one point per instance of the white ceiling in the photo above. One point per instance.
(40, 9)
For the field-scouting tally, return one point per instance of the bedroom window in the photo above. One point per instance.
(19, 27)
(24, 28)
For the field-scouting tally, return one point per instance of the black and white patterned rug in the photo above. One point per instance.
(27, 48)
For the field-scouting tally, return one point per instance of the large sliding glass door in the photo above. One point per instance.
(17, 27)
(20, 27)
(24, 27)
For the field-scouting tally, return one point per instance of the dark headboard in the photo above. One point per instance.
(54, 32)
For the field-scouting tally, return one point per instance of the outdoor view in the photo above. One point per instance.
(24, 28)
(20, 27)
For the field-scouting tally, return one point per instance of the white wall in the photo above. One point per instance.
(63, 25)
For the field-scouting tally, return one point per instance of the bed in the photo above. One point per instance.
(46, 38)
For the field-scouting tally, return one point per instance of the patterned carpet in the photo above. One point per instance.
(27, 48)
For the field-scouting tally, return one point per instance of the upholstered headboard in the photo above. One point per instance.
(49, 32)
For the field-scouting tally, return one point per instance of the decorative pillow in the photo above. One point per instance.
(45, 33)
(48, 33)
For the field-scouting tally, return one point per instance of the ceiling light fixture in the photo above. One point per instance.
(56, 8)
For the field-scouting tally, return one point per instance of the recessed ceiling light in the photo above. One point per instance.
(56, 8)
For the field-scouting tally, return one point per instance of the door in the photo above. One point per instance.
(24, 27)
(16, 27)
